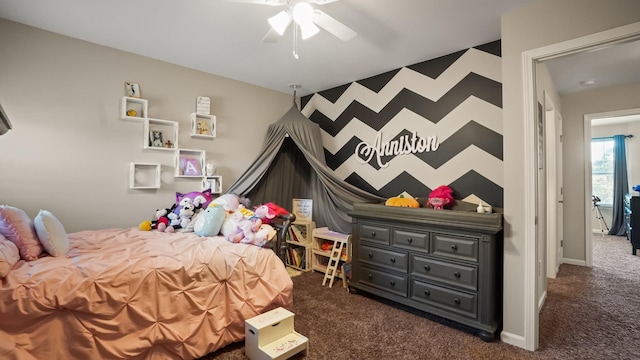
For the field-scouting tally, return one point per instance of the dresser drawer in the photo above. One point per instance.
(455, 246)
(412, 240)
(464, 276)
(396, 284)
(451, 300)
(374, 233)
(393, 260)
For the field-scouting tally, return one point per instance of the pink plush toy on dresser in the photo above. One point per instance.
(440, 197)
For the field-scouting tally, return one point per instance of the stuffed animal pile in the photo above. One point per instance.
(181, 215)
(228, 215)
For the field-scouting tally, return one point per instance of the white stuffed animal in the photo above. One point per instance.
(183, 218)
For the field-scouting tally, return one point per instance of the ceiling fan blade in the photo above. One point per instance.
(261, 2)
(333, 26)
(271, 36)
(322, 2)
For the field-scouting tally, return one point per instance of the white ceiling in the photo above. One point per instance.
(615, 65)
(225, 38)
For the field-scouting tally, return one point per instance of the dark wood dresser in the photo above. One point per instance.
(444, 262)
(632, 220)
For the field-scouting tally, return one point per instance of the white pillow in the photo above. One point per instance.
(9, 255)
(51, 233)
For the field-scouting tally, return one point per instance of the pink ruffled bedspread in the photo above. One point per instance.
(131, 294)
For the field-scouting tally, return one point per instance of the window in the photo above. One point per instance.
(602, 169)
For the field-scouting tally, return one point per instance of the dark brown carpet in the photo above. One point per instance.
(589, 313)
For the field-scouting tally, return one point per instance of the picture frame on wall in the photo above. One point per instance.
(132, 89)
(155, 138)
(203, 105)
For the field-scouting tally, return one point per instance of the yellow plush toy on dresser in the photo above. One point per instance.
(403, 200)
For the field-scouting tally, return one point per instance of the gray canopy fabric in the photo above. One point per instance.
(332, 197)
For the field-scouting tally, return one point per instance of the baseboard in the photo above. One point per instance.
(513, 339)
(574, 262)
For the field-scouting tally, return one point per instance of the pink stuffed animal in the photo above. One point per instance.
(440, 197)
(267, 212)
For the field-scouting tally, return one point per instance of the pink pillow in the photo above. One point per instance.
(17, 227)
(9, 256)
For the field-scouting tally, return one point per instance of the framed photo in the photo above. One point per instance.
(203, 105)
(132, 89)
(155, 138)
(303, 209)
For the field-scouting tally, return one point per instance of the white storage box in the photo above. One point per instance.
(271, 336)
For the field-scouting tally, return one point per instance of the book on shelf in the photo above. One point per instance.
(299, 235)
(296, 257)
(292, 235)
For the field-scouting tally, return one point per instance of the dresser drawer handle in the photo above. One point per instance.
(427, 293)
(373, 234)
(457, 274)
(370, 255)
(427, 268)
(409, 240)
(456, 300)
(454, 247)
(370, 276)
(393, 260)
(393, 283)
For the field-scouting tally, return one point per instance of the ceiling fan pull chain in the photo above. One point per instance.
(295, 40)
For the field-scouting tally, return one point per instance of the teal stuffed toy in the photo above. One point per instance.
(210, 221)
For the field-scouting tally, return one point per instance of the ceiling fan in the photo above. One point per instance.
(304, 16)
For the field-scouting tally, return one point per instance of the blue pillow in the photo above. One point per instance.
(210, 221)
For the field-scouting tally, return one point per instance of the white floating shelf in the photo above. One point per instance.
(160, 134)
(189, 163)
(144, 176)
(213, 182)
(133, 109)
(203, 126)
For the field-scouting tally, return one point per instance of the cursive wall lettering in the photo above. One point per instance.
(403, 145)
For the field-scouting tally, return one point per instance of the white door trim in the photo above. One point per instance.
(552, 186)
(529, 58)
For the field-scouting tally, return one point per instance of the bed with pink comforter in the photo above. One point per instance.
(131, 294)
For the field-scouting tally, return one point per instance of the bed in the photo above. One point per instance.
(132, 294)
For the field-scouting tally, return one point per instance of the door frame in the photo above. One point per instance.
(598, 40)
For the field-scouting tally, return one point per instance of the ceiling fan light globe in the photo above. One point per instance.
(302, 13)
(308, 30)
(280, 21)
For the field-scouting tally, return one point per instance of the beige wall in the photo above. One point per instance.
(543, 23)
(575, 106)
(69, 152)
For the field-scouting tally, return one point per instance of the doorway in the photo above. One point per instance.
(620, 116)
(529, 59)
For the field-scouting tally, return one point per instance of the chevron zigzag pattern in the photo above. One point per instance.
(461, 107)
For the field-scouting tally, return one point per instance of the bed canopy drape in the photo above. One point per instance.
(332, 197)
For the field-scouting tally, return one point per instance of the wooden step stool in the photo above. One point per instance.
(271, 336)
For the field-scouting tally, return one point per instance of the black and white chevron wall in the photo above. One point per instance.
(438, 122)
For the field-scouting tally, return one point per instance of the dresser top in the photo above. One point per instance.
(463, 219)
